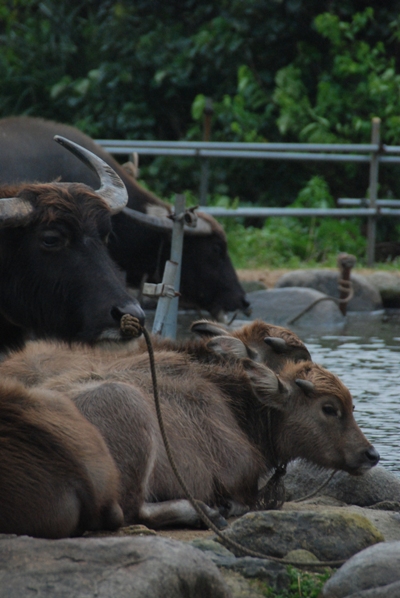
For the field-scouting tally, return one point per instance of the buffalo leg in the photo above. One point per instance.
(177, 513)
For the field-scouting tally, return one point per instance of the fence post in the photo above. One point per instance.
(205, 164)
(373, 191)
(164, 301)
(169, 328)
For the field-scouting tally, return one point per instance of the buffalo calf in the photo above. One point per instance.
(228, 423)
(272, 345)
(267, 343)
(57, 477)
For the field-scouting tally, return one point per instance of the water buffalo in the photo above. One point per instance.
(57, 278)
(257, 340)
(229, 421)
(140, 247)
(57, 476)
(264, 343)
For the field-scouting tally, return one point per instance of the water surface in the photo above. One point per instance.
(367, 359)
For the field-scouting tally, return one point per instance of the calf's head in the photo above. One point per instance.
(264, 343)
(312, 417)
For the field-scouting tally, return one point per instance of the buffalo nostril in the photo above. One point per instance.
(372, 455)
(132, 309)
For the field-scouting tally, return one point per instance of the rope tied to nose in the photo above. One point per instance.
(198, 505)
(130, 326)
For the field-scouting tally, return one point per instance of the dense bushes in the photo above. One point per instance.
(287, 70)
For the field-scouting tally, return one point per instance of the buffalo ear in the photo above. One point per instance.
(228, 346)
(266, 385)
(206, 328)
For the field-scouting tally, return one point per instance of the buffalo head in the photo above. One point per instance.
(58, 279)
(208, 278)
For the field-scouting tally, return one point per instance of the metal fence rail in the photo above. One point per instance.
(374, 153)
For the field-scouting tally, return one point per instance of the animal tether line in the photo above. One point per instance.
(194, 502)
(343, 285)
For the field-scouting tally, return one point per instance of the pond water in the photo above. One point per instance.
(366, 357)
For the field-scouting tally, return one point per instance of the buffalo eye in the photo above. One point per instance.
(52, 240)
(331, 410)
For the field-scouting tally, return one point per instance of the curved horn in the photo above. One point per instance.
(306, 386)
(112, 189)
(166, 224)
(14, 208)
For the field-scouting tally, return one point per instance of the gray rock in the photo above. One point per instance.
(252, 285)
(281, 306)
(366, 296)
(104, 567)
(372, 573)
(375, 486)
(274, 574)
(330, 535)
(388, 285)
(239, 586)
(209, 545)
(386, 522)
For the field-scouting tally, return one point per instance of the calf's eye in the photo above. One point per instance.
(330, 410)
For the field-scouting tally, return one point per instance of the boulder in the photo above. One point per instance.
(104, 567)
(274, 574)
(388, 285)
(366, 296)
(281, 306)
(375, 486)
(372, 573)
(329, 534)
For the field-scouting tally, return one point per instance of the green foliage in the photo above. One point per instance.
(357, 82)
(241, 117)
(303, 584)
(291, 242)
(314, 71)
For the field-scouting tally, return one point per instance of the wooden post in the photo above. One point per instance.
(373, 191)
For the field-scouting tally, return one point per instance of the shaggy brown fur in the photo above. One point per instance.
(228, 421)
(57, 477)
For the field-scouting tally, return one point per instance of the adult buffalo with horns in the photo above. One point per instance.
(57, 278)
(141, 237)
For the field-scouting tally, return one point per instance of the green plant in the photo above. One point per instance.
(290, 242)
(303, 584)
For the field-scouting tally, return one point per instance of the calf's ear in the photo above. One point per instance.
(266, 385)
(206, 328)
(227, 345)
(279, 345)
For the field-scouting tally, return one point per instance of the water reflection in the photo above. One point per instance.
(370, 368)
